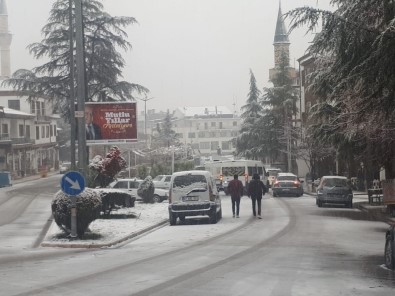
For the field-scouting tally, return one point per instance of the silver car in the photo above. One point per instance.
(334, 190)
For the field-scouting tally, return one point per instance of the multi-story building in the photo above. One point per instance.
(207, 130)
(28, 133)
(28, 130)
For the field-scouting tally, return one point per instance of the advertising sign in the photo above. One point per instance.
(110, 122)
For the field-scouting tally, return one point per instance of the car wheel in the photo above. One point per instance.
(389, 256)
(219, 214)
(182, 218)
(274, 194)
(213, 217)
(156, 198)
(350, 204)
(173, 219)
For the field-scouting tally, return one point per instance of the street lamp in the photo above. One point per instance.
(145, 116)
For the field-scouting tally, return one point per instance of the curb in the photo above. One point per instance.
(110, 244)
(377, 214)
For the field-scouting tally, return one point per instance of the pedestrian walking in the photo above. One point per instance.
(235, 189)
(256, 190)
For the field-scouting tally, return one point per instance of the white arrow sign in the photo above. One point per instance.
(74, 184)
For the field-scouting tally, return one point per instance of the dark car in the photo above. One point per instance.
(389, 251)
(334, 190)
(287, 184)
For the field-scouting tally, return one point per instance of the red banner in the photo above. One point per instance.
(110, 122)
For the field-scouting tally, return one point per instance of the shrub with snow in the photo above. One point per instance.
(146, 190)
(115, 198)
(89, 206)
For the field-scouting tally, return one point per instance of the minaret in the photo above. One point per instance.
(281, 45)
(5, 42)
(281, 40)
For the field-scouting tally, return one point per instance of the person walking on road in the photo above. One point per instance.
(235, 188)
(256, 190)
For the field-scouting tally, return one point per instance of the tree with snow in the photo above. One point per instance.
(104, 35)
(108, 167)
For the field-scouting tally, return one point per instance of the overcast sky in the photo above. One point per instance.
(186, 52)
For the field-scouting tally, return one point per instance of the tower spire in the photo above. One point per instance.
(5, 42)
(281, 35)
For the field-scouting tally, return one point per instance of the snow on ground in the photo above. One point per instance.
(106, 231)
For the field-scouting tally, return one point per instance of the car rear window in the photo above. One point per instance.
(231, 171)
(334, 182)
(287, 178)
(189, 182)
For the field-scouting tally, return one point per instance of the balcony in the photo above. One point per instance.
(5, 138)
(21, 141)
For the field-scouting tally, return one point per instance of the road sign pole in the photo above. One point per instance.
(73, 184)
(73, 217)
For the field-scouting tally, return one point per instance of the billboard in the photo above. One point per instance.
(110, 122)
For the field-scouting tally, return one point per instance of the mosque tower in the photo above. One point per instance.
(5, 42)
(281, 45)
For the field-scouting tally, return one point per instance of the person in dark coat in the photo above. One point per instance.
(235, 189)
(256, 190)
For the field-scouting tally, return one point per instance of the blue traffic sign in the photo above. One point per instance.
(72, 183)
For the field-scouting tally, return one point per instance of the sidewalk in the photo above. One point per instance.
(33, 177)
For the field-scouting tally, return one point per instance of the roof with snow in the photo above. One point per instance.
(205, 111)
(15, 113)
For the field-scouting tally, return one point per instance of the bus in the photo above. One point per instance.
(223, 171)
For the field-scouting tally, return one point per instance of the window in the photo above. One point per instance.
(121, 184)
(225, 145)
(47, 133)
(42, 108)
(167, 179)
(38, 111)
(14, 104)
(51, 130)
(234, 123)
(33, 107)
(37, 133)
(206, 125)
(43, 132)
(220, 125)
(191, 135)
(54, 130)
(201, 134)
(195, 145)
(4, 129)
(205, 145)
(214, 145)
(27, 133)
(179, 135)
(21, 130)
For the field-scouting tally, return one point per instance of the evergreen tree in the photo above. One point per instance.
(279, 103)
(103, 34)
(355, 75)
(249, 138)
(165, 136)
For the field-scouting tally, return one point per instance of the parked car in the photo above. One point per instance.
(132, 185)
(162, 181)
(193, 193)
(389, 250)
(287, 184)
(334, 190)
(65, 167)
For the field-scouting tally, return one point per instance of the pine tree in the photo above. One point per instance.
(355, 75)
(165, 136)
(249, 138)
(103, 35)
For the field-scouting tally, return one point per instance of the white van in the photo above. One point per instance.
(193, 193)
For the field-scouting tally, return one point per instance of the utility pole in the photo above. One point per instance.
(81, 91)
(145, 118)
(72, 90)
